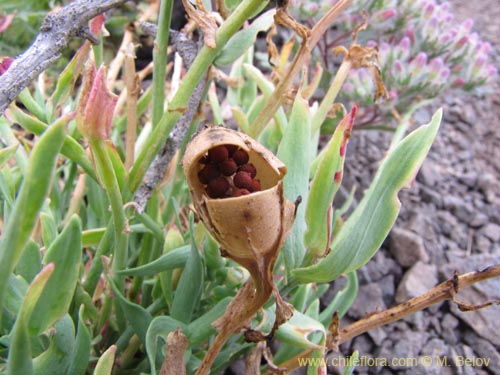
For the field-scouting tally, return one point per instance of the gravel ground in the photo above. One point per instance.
(450, 221)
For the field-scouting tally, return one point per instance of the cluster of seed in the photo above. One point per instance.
(227, 173)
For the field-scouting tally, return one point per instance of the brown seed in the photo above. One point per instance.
(228, 167)
(249, 168)
(240, 192)
(208, 173)
(255, 186)
(218, 154)
(242, 180)
(204, 160)
(231, 149)
(218, 187)
(240, 157)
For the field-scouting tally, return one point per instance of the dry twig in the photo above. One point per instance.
(56, 31)
(444, 291)
(188, 51)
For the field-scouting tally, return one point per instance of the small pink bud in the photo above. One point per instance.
(94, 112)
(5, 64)
(5, 22)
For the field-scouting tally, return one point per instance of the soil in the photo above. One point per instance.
(449, 221)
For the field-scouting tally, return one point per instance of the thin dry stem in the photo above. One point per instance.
(298, 62)
(242, 308)
(442, 292)
(117, 63)
(176, 345)
(55, 32)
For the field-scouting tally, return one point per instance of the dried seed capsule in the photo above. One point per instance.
(242, 180)
(228, 167)
(240, 192)
(249, 168)
(218, 187)
(240, 157)
(218, 154)
(208, 173)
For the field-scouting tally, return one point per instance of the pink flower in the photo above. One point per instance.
(96, 105)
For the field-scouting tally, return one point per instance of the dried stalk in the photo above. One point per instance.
(176, 345)
(444, 291)
(56, 31)
(188, 50)
(299, 61)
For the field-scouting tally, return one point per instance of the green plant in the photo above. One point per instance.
(84, 289)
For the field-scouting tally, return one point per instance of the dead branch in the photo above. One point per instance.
(188, 50)
(55, 32)
(176, 345)
(444, 291)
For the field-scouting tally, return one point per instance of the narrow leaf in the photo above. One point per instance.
(56, 359)
(244, 39)
(188, 292)
(6, 154)
(369, 224)
(296, 182)
(29, 201)
(19, 361)
(169, 261)
(66, 254)
(105, 364)
(324, 185)
(138, 317)
(81, 353)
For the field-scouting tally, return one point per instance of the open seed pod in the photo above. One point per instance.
(236, 185)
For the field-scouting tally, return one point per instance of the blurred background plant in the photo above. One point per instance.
(84, 289)
(423, 53)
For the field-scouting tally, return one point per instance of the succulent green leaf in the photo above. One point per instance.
(30, 262)
(244, 39)
(317, 363)
(349, 369)
(105, 363)
(138, 317)
(201, 329)
(81, 353)
(56, 359)
(188, 292)
(297, 330)
(342, 300)
(367, 227)
(19, 361)
(169, 261)
(71, 148)
(29, 201)
(49, 228)
(324, 185)
(296, 182)
(6, 154)
(66, 255)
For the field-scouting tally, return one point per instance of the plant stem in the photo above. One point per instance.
(108, 178)
(178, 104)
(444, 291)
(160, 59)
(297, 64)
(330, 96)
